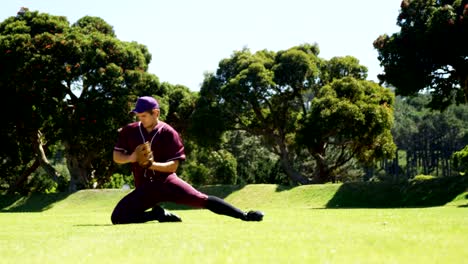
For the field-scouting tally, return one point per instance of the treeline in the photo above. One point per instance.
(286, 117)
(426, 140)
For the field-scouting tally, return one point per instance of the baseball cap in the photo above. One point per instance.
(145, 103)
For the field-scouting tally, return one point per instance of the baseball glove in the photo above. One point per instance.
(144, 155)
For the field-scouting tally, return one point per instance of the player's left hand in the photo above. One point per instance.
(144, 155)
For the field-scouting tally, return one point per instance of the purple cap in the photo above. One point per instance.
(145, 103)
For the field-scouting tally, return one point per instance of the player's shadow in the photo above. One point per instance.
(92, 225)
(30, 203)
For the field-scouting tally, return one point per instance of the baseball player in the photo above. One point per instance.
(155, 151)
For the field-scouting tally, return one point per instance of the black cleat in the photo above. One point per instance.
(253, 216)
(164, 216)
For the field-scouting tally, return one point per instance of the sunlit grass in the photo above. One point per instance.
(297, 229)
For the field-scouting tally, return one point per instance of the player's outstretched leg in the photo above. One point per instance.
(219, 206)
(253, 216)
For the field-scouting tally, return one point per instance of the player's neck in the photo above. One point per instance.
(152, 127)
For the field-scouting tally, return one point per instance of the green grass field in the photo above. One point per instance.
(297, 228)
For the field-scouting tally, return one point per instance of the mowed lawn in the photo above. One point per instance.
(297, 228)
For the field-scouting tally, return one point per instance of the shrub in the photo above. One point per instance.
(225, 167)
(41, 182)
(460, 160)
(422, 177)
(118, 180)
(196, 174)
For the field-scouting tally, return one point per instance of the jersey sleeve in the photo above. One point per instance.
(173, 145)
(122, 141)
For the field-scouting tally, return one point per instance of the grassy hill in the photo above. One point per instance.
(361, 195)
(247, 196)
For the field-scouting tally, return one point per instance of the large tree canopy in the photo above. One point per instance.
(430, 52)
(260, 93)
(349, 118)
(271, 95)
(73, 84)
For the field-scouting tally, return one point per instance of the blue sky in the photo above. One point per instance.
(188, 38)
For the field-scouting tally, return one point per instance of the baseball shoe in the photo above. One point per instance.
(164, 216)
(253, 216)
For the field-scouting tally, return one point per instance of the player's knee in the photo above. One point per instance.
(116, 218)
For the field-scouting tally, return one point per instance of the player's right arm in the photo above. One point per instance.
(122, 153)
(122, 158)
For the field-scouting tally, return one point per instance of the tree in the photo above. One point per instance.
(77, 82)
(270, 94)
(23, 78)
(428, 138)
(430, 52)
(180, 105)
(244, 95)
(348, 119)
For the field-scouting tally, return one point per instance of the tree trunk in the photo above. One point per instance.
(322, 172)
(449, 168)
(396, 167)
(286, 165)
(408, 163)
(40, 160)
(41, 156)
(464, 82)
(292, 173)
(22, 179)
(322, 175)
(78, 167)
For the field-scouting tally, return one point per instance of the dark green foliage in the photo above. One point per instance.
(40, 182)
(255, 163)
(196, 173)
(426, 138)
(461, 160)
(177, 107)
(117, 181)
(429, 52)
(339, 67)
(241, 159)
(205, 166)
(73, 84)
(90, 25)
(290, 98)
(244, 95)
(351, 117)
(208, 121)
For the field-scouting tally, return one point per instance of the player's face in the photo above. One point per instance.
(149, 120)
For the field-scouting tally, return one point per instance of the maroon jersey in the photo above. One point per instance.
(166, 145)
